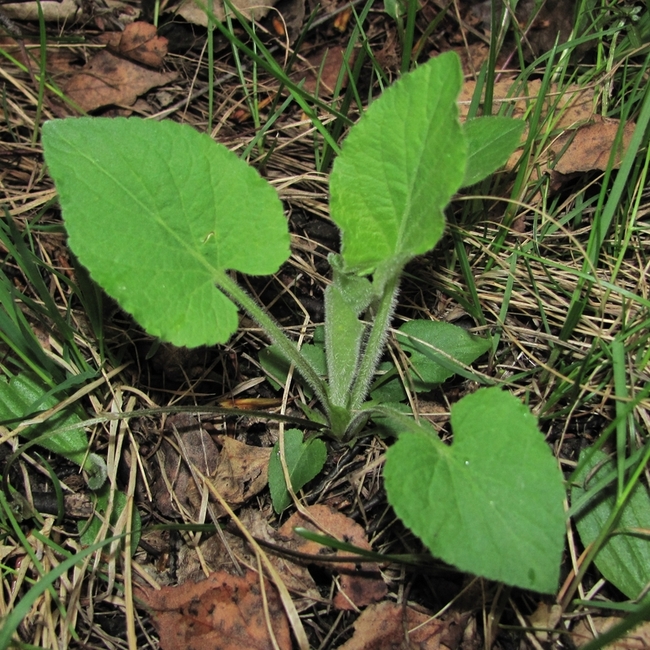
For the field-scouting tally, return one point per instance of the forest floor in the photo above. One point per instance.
(549, 257)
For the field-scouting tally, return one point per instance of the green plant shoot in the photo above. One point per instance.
(160, 214)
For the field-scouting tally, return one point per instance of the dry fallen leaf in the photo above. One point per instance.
(323, 71)
(590, 146)
(251, 9)
(200, 450)
(585, 140)
(637, 639)
(296, 577)
(222, 612)
(138, 42)
(58, 60)
(237, 471)
(288, 18)
(573, 107)
(242, 471)
(545, 617)
(110, 80)
(360, 584)
(393, 627)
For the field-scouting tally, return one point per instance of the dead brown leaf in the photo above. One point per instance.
(138, 42)
(323, 71)
(585, 140)
(575, 106)
(360, 584)
(251, 9)
(296, 577)
(242, 471)
(237, 471)
(110, 80)
(222, 612)
(637, 639)
(545, 617)
(58, 60)
(392, 627)
(288, 18)
(201, 451)
(590, 146)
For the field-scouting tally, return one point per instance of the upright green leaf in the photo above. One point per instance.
(345, 300)
(304, 461)
(344, 333)
(492, 503)
(158, 212)
(624, 560)
(399, 167)
(490, 142)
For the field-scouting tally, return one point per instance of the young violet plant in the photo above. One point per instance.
(160, 215)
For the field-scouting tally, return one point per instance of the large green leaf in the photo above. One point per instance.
(491, 504)
(625, 558)
(304, 461)
(158, 212)
(435, 347)
(399, 167)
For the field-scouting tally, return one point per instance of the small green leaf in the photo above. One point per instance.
(90, 529)
(490, 142)
(388, 385)
(394, 8)
(277, 366)
(399, 167)
(158, 212)
(624, 560)
(431, 343)
(304, 461)
(492, 503)
(22, 396)
(357, 291)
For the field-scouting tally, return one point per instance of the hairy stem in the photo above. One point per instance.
(375, 345)
(277, 336)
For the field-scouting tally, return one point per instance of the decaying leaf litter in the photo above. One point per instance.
(145, 457)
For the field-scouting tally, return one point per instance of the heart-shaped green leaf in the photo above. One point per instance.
(625, 559)
(399, 167)
(491, 504)
(304, 461)
(435, 348)
(490, 142)
(158, 212)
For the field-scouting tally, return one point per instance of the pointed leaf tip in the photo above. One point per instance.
(399, 167)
